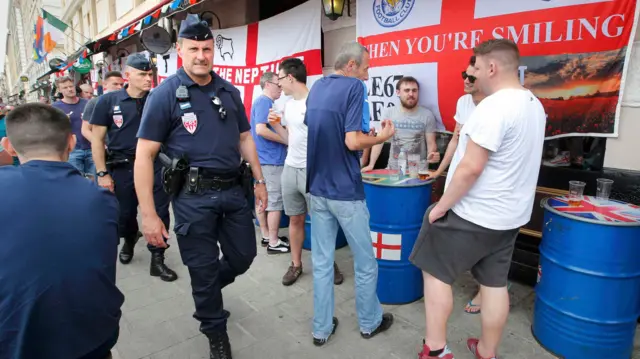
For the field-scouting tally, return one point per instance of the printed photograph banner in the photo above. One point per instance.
(574, 54)
(244, 53)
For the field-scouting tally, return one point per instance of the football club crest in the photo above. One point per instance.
(190, 122)
(390, 13)
(117, 120)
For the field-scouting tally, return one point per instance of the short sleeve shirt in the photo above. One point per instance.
(74, 112)
(269, 152)
(464, 109)
(195, 128)
(89, 108)
(120, 113)
(334, 107)
(510, 124)
(411, 130)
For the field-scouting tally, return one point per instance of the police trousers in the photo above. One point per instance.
(125, 191)
(204, 221)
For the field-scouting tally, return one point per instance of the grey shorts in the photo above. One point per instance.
(294, 188)
(272, 176)
(452, 245)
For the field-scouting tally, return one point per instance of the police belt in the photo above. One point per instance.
(118, 158)
(216, 183)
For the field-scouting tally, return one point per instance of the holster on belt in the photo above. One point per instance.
(199, 179)
(174, 171)
(246, 181)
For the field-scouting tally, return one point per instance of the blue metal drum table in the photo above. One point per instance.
(588, 291)
(396, 207)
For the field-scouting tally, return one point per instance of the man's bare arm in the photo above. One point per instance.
(248, 152)
(98, 134)
(143, 172)
(282, 132)
(86, 131)
(263, 131)
(451, 150)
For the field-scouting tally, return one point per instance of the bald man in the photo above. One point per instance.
(488, 196)
(86, 91)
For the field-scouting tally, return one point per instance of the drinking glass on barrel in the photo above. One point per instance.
(576, 190)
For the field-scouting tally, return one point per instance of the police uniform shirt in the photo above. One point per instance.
(59, 239)
(120, 113)
(195, 127)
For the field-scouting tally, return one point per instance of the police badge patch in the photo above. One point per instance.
(190, 122)
(117, 119)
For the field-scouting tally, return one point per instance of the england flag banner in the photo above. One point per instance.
(242, 54)
(574, 54)
(387, 246)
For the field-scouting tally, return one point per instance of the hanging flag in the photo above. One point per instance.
(38, 50)
(165, 8)
(193, 2)
(137, 27)
(53, 30)
(174, 5)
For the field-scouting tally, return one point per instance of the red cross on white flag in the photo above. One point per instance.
(387, 246)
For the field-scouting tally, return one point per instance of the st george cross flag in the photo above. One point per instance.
(387, 246)
(574, 54)
(244, 53)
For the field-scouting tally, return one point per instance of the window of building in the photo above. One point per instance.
(123, 7)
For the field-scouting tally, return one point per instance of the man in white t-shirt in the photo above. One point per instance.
(292, 78)
(489, 195)
(466, 104)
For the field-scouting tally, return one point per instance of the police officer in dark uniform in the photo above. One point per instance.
(199, 117)
(118, 115)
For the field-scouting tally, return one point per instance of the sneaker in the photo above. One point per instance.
(424, 354)
(265, 241)
(338, 278)
(280, 247)
(292, 275)
(387, 321)
(320, 342)
(472, 344)
(563, 159)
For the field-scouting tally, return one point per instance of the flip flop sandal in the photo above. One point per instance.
(470, 308)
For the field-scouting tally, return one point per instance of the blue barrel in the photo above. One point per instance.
(588, 291)
(341, 240)
(397, 208)
(284, 221)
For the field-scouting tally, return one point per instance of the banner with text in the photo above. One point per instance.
(244, 53)
(574, 54)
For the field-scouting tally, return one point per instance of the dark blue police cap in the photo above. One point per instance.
(194, 29)
(139, 61)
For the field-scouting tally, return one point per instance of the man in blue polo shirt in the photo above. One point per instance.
(334, 119)
(59, 237)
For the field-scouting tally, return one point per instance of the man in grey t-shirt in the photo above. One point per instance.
(415, 127)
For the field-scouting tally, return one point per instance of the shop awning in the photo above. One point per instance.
(164, 9)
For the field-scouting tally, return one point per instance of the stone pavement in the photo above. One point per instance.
(270, 321)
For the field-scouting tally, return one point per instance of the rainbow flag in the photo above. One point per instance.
(38, 50)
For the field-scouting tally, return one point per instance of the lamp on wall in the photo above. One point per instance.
(333, 9)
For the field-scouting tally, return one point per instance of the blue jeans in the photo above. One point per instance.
(353, 217)
(83, 161)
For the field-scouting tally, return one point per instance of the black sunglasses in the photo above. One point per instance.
(221, 110)
(471, 78)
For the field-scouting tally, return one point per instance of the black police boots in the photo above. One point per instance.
(219, 346)
(159, 269)
(126, 253)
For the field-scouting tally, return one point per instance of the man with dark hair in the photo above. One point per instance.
(336, 192)
(489, 195)
(415, 128)
(118, 114)
(293, 81)
(272, 150)
(73, 106)
(59, 297)
(113, 81)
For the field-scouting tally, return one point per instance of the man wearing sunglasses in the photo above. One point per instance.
(272, 151)
(466, 104)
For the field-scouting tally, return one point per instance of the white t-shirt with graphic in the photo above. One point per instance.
(510, 124)
(464, 109)
(293, 118)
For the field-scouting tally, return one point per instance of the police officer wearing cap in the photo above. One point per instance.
(197, 115)
(118, 115)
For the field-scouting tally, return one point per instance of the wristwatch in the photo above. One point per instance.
(260, 181)
(102, 173)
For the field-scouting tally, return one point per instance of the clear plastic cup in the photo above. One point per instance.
(603, 188)
(576, 191)
(395, 176)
